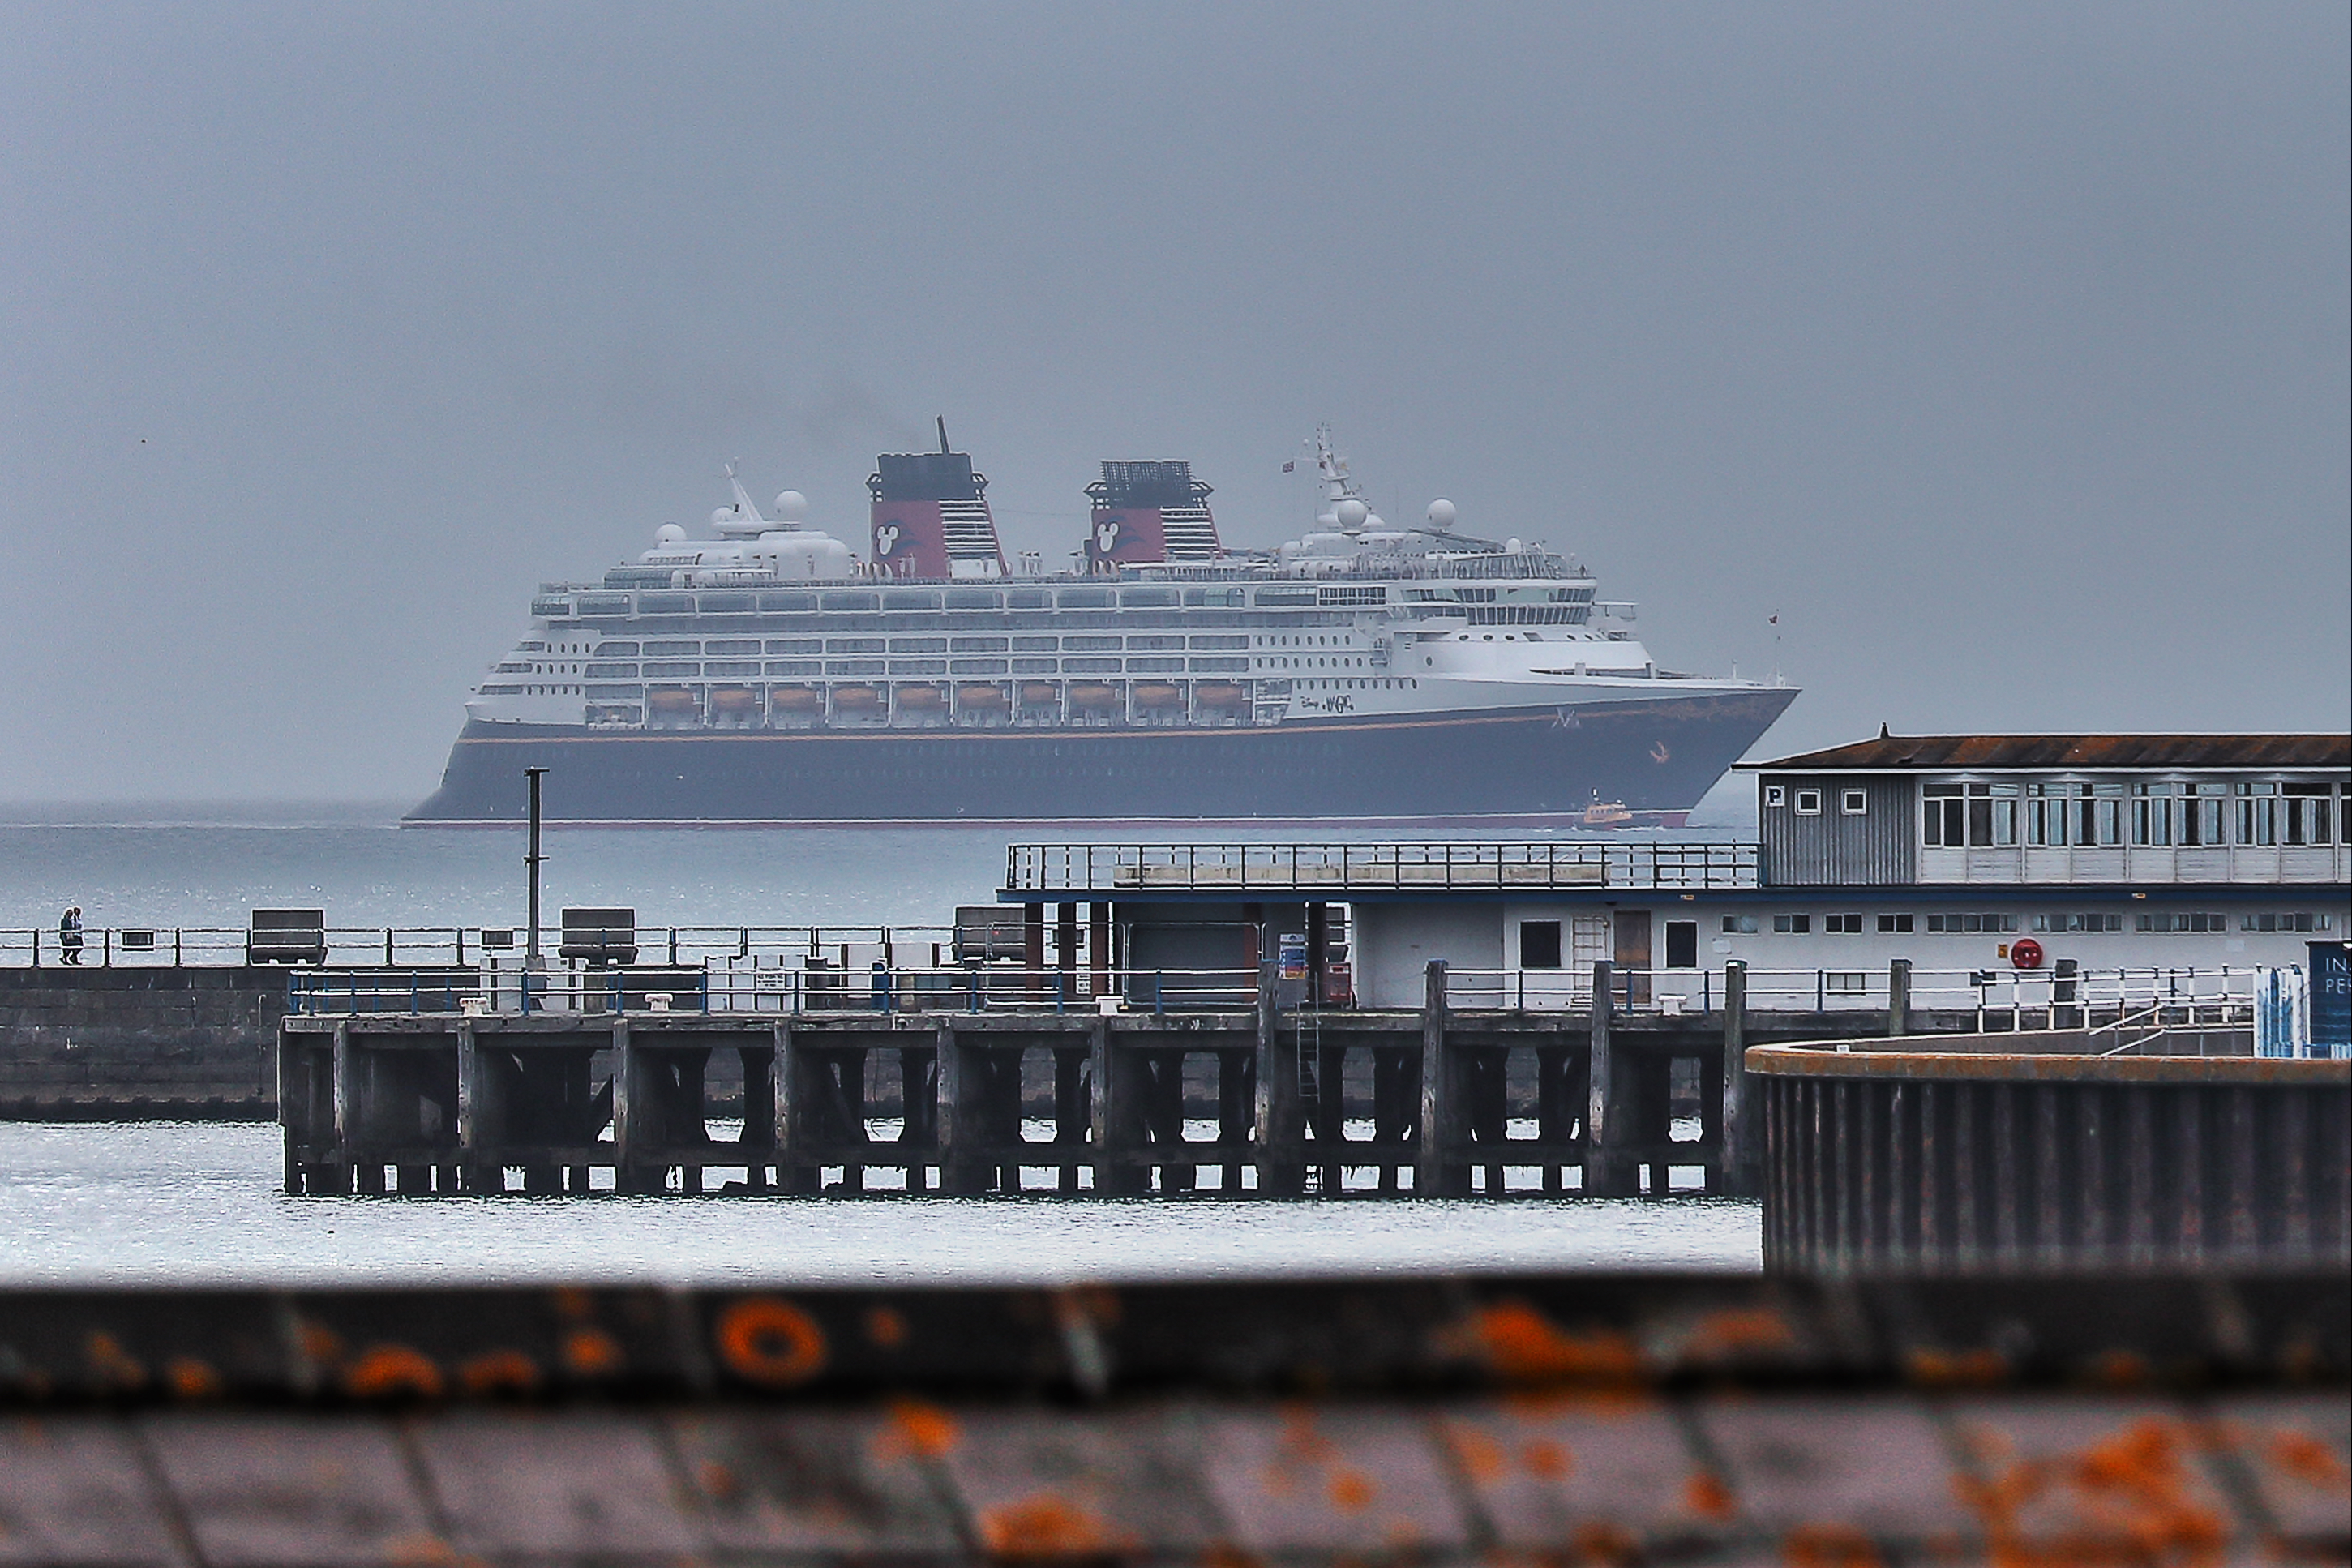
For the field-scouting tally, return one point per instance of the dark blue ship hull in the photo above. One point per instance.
(1509, 765)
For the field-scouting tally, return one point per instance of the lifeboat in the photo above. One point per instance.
(1220, 695)
(795, 699)
(1158, 694)
(673, 703)
(855, 700)
(1094, 696)
(980, 697)
(1040, 694)
(734, 703)
(920, 698)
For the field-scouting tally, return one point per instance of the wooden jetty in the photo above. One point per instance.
(1272, 1100)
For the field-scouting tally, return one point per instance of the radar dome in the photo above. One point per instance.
(722, 516)
(1510, 547)
(1441, 513)
(1351, 513)
(791, 506)
(669, 534)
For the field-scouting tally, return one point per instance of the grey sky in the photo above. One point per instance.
(2001, 351)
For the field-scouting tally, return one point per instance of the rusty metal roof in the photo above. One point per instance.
(1887, 752)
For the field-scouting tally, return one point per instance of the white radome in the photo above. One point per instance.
(1441, 513)
(791, 506)
(1351, 513)
(669, 534)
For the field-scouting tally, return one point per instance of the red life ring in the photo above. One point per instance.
(2025, 954)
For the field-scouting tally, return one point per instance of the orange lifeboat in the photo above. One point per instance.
(795, 699)
(1223, 695)
(980, 697)
(1094, 696)
(734, 703)
(920, 698)
(672, 703)
(1159, 696)
(1040, 694)
(856, 698)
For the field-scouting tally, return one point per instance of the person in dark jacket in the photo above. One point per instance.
(69, 934)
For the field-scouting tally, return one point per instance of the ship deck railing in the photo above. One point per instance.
(1332, 869)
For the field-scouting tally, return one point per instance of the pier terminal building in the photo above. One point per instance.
(1988, 863)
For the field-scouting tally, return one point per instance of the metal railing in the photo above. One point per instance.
(1336, 869)
(774, 990)
(118, 947)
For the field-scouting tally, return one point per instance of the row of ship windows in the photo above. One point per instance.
(852, 600)
(726, 647)
(1853, 924)
(741, 669)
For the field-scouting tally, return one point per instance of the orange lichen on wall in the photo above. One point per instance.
(505, 1370)
(917, 1430)
(1522, 1345)
(192, 1379)
(2135, 1493)
(388, 1370)
(1048, 1525)
(1830, 1546)
(771, 1342)
(111, 1366)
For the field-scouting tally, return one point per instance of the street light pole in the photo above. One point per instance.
(532, 860)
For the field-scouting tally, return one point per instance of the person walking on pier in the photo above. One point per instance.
(69, 935)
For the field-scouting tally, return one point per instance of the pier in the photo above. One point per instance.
(1032, 1078)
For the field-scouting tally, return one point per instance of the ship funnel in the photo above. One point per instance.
(931, 516)
(1150, 512)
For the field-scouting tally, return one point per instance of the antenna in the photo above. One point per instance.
(943, 434)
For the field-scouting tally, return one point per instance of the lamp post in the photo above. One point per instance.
(532, 963)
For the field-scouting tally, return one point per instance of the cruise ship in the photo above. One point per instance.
(1365, 673)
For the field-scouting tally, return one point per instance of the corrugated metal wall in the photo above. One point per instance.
(1876, 847)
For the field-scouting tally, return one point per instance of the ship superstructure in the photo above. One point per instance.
(1362, 670)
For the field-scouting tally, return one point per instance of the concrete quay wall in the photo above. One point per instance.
(145, 1044)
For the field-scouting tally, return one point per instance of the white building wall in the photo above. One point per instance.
(1394, 942)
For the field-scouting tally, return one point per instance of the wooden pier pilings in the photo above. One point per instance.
(1441, 1101)
(2037, 1152)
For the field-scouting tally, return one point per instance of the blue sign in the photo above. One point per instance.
(2331, 998)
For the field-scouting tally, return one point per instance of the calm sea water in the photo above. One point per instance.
(178, 1203)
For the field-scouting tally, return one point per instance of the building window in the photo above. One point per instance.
(2301, 920)
(1847, 925)
(2203, 817)
(1795, 925)
(1539, 944)
(1956, 924)
(1740, 925)
(2073, 922)
(1809, 802)
(1895, 922)
(2192, 922)
(2307, 816)
(1775, 795)
(1969, 816)
(1846, 983)
(1682, 944)
(2258, 814)
(1853, 802)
